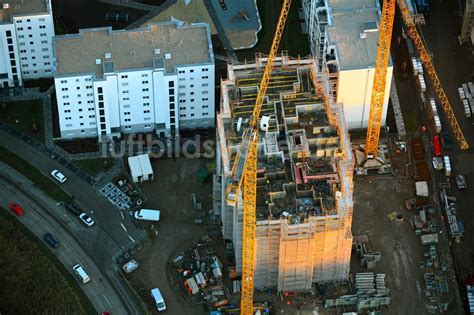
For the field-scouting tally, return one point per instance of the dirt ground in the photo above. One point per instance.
(170, 192)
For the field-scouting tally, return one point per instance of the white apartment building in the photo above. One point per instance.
(159, 78)
(343, 37)
(26, 34)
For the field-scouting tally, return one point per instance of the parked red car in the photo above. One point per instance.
(16, 208)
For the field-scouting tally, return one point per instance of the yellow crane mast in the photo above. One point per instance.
(428, 63)
(247, 156)
(380, 78)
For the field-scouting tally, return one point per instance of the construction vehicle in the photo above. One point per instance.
(378, 91)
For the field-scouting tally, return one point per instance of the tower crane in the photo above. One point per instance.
(381, 64)
(244, 171)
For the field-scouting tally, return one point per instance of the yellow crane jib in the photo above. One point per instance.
(425, 58)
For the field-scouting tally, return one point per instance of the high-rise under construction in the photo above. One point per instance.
(304, 178)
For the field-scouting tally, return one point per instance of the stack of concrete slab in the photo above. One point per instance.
(434, 110)
(116, 196)
(466, 94)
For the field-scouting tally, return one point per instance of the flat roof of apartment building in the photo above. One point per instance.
(169, 44)
(10, 8)
(354, 31)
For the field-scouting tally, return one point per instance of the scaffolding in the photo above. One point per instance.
(304, 177)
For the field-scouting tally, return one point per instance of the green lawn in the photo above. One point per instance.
(33, 280)
(94, 166)
(23, 115)
(43, 182)
(292, 40)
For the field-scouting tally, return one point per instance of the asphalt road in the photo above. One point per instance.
(99, 291)
(114, 231)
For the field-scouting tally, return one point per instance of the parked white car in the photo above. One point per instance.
(58, 176)
(86, 219)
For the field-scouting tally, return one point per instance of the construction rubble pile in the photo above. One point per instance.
(200, 273)
(427, 226)
(370, 293)
(455, 227)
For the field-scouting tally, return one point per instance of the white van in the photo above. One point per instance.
(158, 298)
(81, 273)
(147, 214)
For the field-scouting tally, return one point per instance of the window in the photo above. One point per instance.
(29, 27)
(205, 77)
(144, 75)
(41, 19)
(171, 98)
(171, 106)
(68, 118)
(124, 83)
(101, 97)
(191, 86)
(127, 119)
(125, 91)
(101, 104)
(80, 117)
(42, 26)
(126, 106)
(44, 49)
(181, 71)
(205, 114)
(9, 41)
(99, 89)
(182, 86)
(204, 69)
(182, 115)
(9, 33)
(67, 110)
(44, 42)
(192, 115)
(182, 101)
(126, 113)
(147, 118)
(172, 120)
(205, 106)
(63, 81)
(80, 109)
(191, 100)
(47, 63)
(170, 84)
(124, 76)
(146, 111)
(126, 99)
(82, 124)
(146, 104)
(101, 112)
(145, 90)
(182, 108)
(204, 99)
(102, 126)
(102, 119)
(205, 84)
(205, 92)
(91, 116)
(78, 88)
(144, 82)
(45, 57)
(192, 93)
(90, 109)
(128, 127)
(20, 29)
(145, 97)
(147, 126)
(192, 70)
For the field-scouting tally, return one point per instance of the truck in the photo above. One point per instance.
(147, 215)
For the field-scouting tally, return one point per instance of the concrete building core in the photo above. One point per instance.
(305, 169)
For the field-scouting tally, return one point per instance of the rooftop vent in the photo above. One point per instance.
(98, 61)
(167, 56)
(132, 52)
(6, 6)
(108, 55)
(157, 51)
(362, 35)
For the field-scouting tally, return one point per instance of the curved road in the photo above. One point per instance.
(99, 291)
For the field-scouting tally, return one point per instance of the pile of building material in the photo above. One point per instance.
(456, 227)
(418, 71)
(200, 272)
(466, 94)
(434, 110)
(371, 293)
